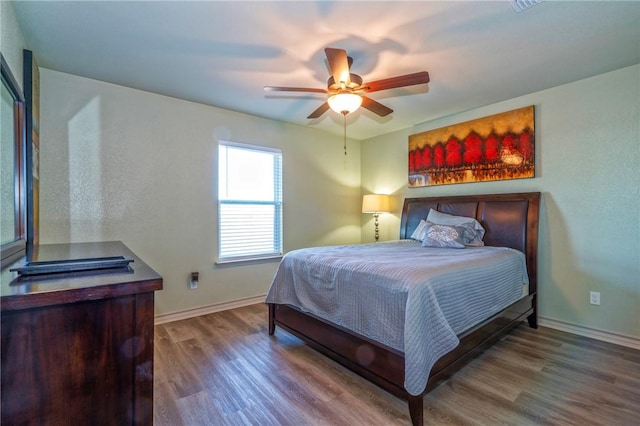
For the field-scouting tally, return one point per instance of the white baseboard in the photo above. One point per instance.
(606, 336)
(204, 310)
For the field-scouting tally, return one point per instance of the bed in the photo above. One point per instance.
(510, 221)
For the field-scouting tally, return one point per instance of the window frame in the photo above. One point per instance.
(277, 203)
(12, 250)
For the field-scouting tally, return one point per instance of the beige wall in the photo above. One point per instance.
(588, 169)
(123, 164)
(11, 39)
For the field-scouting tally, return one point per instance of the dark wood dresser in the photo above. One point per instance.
(77, 347)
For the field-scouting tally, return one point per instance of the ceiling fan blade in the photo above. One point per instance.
(293, 89)
(375, 107)
(339, 65)
(319, 111)
(400, 81)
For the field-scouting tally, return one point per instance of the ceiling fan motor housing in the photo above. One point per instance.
(356, 82)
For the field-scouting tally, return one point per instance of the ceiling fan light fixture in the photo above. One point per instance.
(345, 103)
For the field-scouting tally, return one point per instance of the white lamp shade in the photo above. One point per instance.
(375, 203)
(345, 102)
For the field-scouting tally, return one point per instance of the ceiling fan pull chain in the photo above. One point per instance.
(344, 114)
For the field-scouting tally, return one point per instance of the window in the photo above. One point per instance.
(249, 202)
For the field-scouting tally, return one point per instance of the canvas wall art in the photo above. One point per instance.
(496, 147)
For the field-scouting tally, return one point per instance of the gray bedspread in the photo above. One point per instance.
(414, 299)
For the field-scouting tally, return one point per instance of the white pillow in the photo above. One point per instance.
(474, 232)
(417, 234)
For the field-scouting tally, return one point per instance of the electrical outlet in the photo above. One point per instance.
(193, 280)
(594, 297)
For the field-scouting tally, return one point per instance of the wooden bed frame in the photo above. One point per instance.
(510, 220)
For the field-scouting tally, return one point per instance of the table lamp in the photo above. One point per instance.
(376, 204)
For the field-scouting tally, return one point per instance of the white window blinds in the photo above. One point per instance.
(249, 202)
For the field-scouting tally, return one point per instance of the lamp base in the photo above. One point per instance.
(377, 234)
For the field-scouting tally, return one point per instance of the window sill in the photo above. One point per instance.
(239, 261)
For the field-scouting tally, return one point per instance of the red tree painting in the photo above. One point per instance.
(497, 147)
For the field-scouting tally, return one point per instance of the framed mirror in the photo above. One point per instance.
(13, 240)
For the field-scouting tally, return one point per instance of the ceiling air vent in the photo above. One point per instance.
(520, 5)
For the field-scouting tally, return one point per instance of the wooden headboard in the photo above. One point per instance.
(509, 220)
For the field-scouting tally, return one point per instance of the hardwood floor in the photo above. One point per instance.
(224, 369)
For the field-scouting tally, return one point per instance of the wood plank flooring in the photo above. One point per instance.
(224, 369)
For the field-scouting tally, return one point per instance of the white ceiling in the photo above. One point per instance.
(222, 53)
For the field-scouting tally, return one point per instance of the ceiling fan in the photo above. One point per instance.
(346, 90)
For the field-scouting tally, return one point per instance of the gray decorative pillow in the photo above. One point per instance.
(443, 236)
(473, 231)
